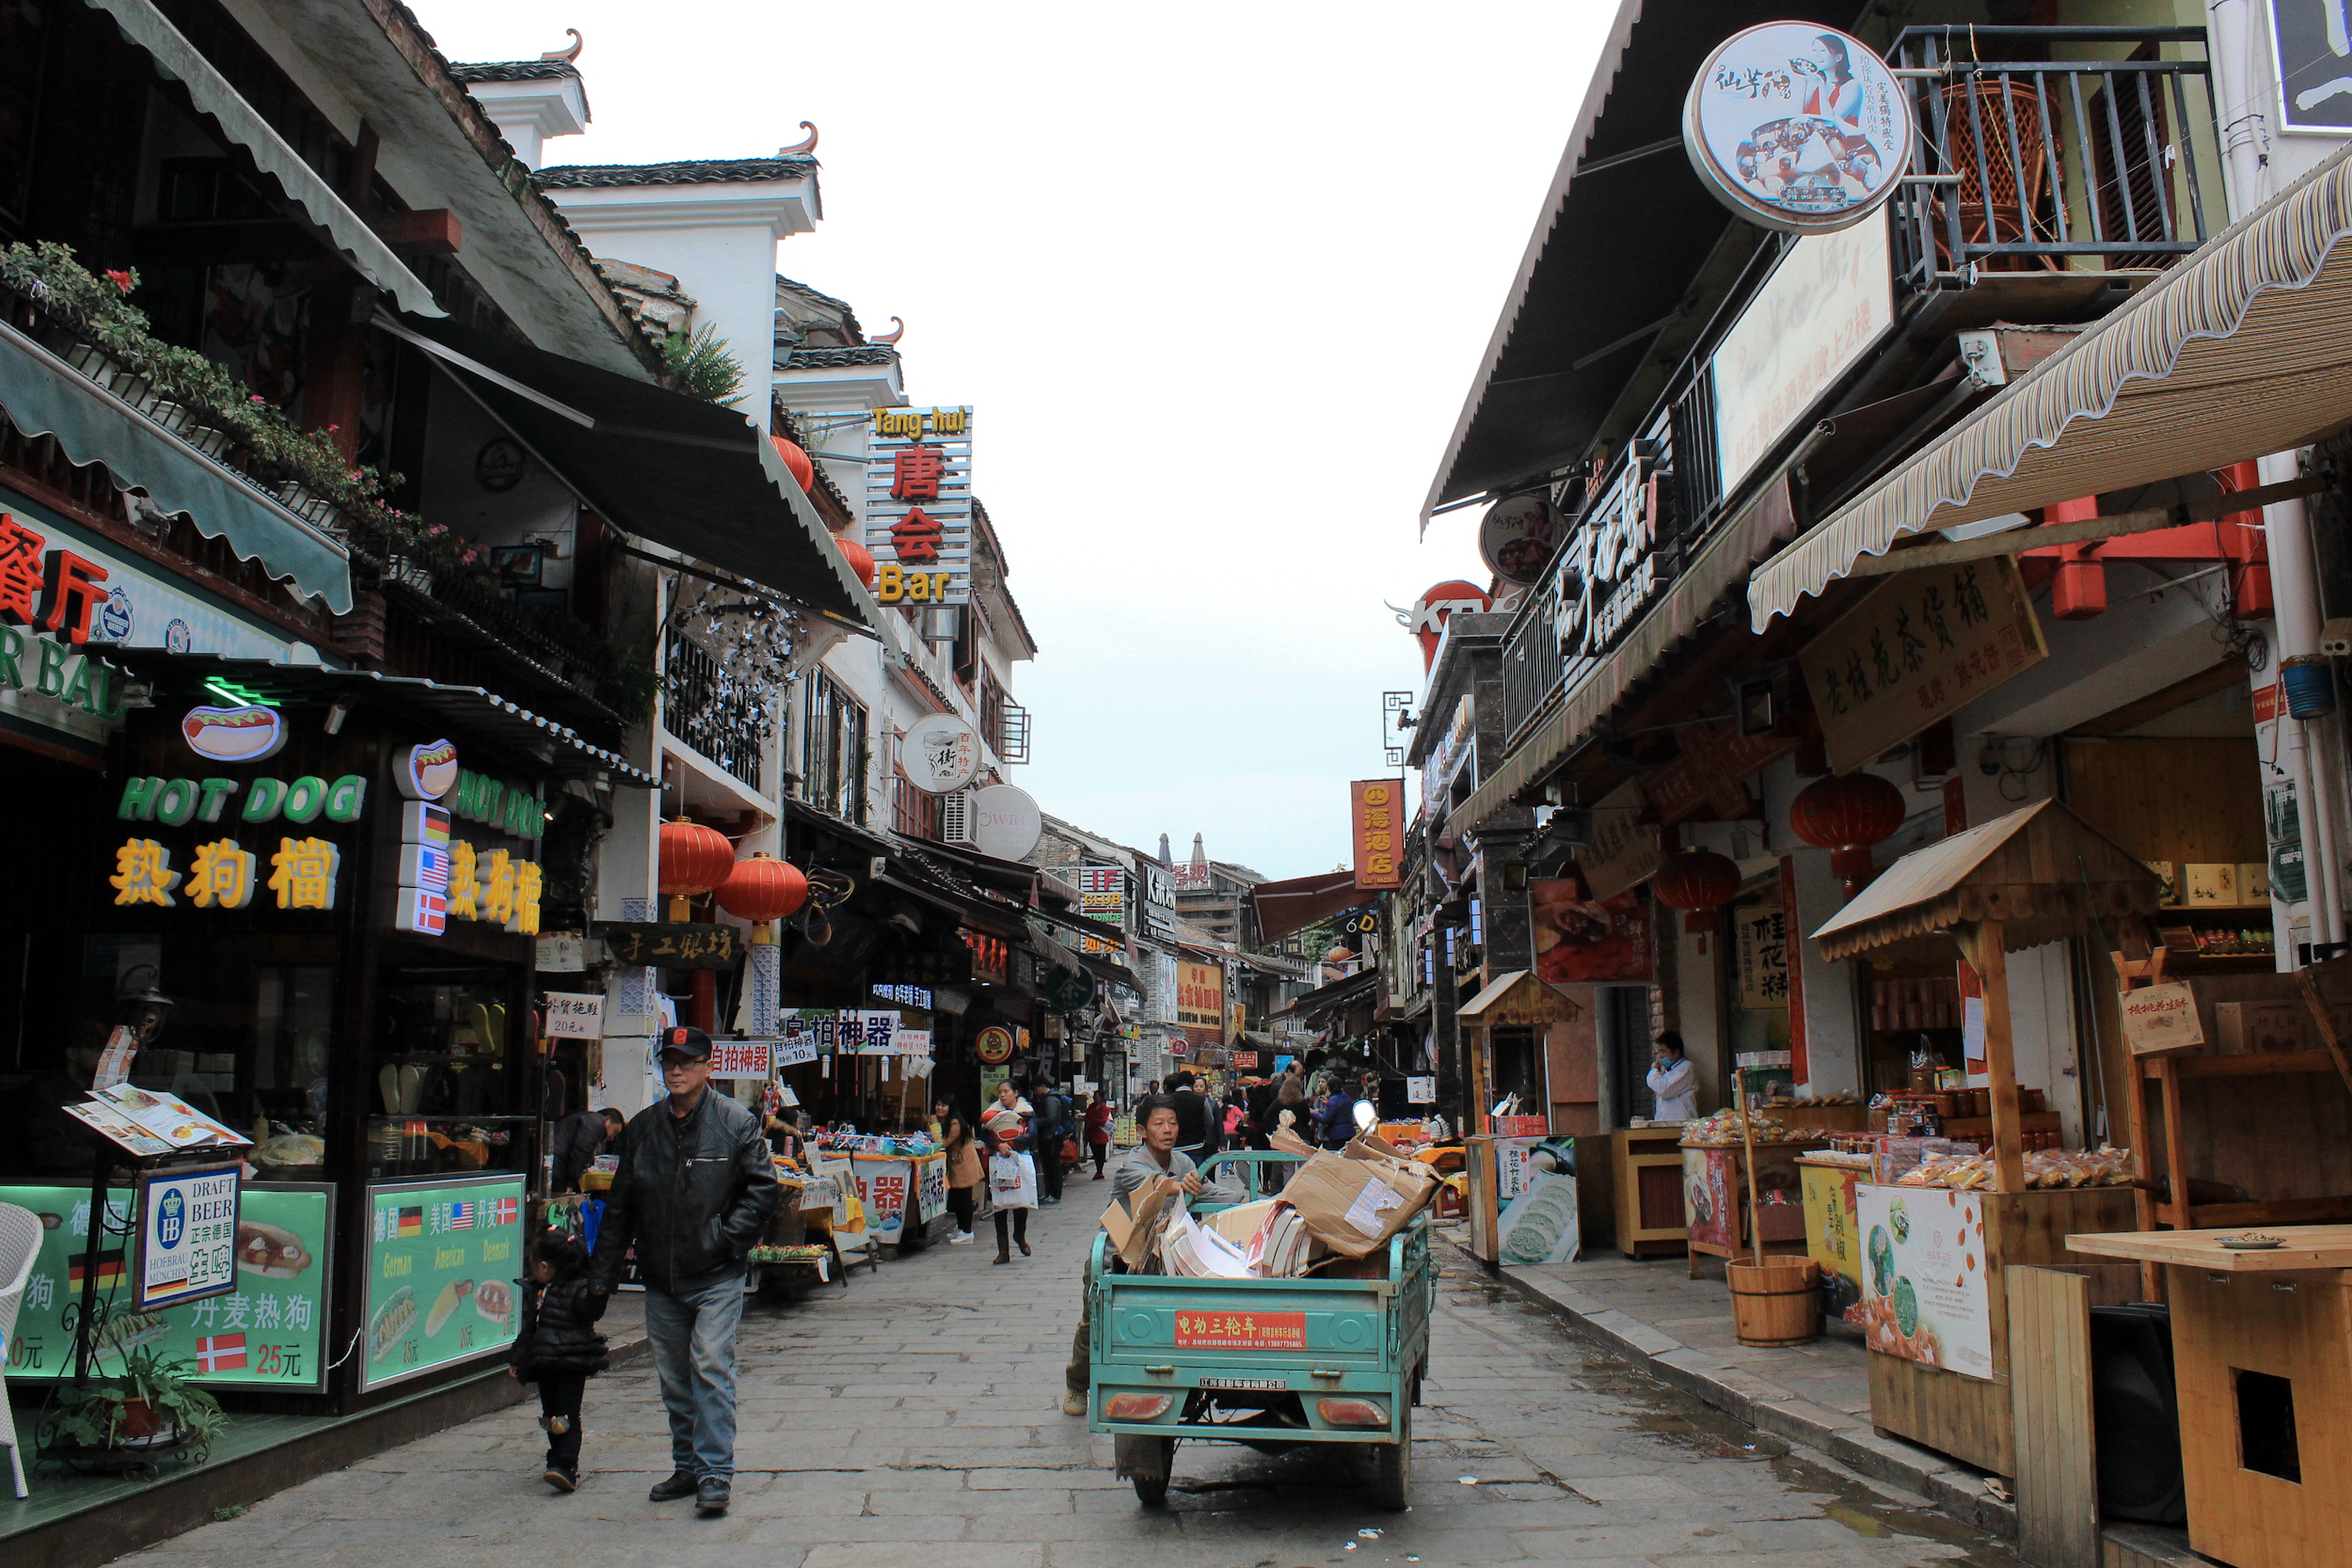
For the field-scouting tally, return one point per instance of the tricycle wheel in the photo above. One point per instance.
(1150, 1491)
(1147, 1461)
(1392, 1463)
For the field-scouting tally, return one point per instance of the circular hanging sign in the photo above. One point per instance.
(994, 1046)
(942, 754)
(1066, 989)
(1006, 822)
(1798, 127)
(427, 772)
(1517, 536)
(499, 466)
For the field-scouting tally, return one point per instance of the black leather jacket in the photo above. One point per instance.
(693, 1194)
(578, 1139)
(558, 1330)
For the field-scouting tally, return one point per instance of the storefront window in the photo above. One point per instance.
(441, 1083)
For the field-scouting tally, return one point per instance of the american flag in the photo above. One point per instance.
(220, 1352)
(504, 1212)
(461, 1215)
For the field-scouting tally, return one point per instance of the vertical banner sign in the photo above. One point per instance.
(444, 1259)
(187, 1236)
(1925, 644)
(1103, 896)
(1376, 810)
(1799, 1059)
(1763, 945)
(918, 505)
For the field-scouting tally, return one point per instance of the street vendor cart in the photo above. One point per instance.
(1273, 1364)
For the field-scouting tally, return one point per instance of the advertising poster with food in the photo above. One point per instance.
(265, 1331)
(1583, 941)
(1712, 1219)
(1924, 1297)
(442, 1264)
(1540, 1225)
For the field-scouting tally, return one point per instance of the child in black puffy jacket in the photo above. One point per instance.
(560, 1349)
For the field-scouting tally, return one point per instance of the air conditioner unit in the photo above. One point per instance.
(955, 818)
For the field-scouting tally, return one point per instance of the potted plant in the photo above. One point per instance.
(150, 1405)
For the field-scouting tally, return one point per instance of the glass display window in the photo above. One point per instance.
(443, 1085)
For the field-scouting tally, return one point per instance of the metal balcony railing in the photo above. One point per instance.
(1533, 668)
(2026, 162)
(721, 717)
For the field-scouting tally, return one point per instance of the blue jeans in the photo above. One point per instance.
(693, 1355)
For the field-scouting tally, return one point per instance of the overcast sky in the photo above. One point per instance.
(1215, 279)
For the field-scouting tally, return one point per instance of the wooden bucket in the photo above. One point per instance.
(1777, 1302)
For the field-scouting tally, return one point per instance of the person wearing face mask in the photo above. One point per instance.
(1673, 1081)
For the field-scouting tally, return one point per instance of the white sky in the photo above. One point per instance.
(1214, 278)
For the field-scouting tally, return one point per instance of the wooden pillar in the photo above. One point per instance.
(1991, 961)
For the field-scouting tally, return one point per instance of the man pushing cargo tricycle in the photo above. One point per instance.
(1274, 1322)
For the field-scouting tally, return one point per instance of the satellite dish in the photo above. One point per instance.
(1006, 822)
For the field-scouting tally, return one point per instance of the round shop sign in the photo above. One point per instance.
(1006, 822)
(1517, 536)
(1066, 989)
(427, 772)
(994, 1046)
(1798, 127)
(942, 754)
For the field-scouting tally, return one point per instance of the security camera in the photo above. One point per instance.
(1989, 760)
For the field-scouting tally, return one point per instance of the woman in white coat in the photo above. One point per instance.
(1673, 1081)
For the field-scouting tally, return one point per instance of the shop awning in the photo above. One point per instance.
(177, 60)
(2242, 350)
(465, 712)
(1293, 906)
(1340, 991)
(696, 476)
(1718, 567)
(1516, 997)
(45, 396)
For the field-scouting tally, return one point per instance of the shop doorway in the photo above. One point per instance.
(1625, 1051)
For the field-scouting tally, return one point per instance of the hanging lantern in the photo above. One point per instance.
(763, 888)
(1846, 814)
(804, 471)
(861, 560)
(1697, 881)
(694, 860)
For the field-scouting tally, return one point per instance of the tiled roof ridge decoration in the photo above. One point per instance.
(514, 71)
(697, 172)
(827, 358)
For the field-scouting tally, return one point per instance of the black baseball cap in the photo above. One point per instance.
(685, 1040)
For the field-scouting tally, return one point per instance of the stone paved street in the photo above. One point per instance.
(911, 1419)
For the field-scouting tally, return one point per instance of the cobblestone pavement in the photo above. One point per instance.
(913, 1418)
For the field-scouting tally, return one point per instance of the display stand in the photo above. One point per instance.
(1646, 1163)
(2038, 875)
(1724, 1221)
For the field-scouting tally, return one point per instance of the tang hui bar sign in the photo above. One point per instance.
(1376, 810)
(918, 505)
(1919, 649)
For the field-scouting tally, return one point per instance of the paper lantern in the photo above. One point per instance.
(694, 858)
(763, 888)
(861, 560)
(804, 471)
(1846, 814)
(1696, 881)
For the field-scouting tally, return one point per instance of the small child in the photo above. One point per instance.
(560, 1349)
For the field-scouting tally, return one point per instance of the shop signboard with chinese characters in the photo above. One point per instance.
(444, 877)
(1608, 573)
(1761, 938)
(849, 1031)
(1201, 997)
(266, 1331)
(1923, 646)
(444, 1259)
(1798, 127)
(671, 944)
(1376, 817)
(895, 1190)
(1446, 758)
(187, 1235)
(753, 1059)
(918, 505)
(1624, 850)
(1103, 896)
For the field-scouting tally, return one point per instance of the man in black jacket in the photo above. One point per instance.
(578, 1139)
(692, 1195)
(1198, 1130)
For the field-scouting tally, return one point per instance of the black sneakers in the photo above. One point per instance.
(680, 1484)
(711, 1497)
(563, 1478)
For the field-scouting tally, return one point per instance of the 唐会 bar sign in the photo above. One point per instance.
(1375, 812)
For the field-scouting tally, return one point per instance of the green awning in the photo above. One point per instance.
(43, 395)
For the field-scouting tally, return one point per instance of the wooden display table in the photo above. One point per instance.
(1715, 1200)
(2262, 1357)
(1646, 1163)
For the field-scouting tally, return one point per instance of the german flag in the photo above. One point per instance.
(412, 1222)
(109, 1272)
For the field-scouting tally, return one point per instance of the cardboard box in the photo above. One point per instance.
(1133, 1222)
(1353, 1206)
(2258, 1028)
(2253, 881)
(1240, 1222)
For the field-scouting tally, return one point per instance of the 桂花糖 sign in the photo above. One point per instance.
(1762, 937)
(1923, 646)
(1375, 808)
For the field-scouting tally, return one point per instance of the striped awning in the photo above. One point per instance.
(2243, 350)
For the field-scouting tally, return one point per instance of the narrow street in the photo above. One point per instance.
(911, 1417)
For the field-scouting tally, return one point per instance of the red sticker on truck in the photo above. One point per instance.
(1241, 1330)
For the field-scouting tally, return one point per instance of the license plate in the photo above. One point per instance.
(1255, 1385)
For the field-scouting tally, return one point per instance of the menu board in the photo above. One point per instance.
(1924, 1297)
(266, 1332)
(444, 1261)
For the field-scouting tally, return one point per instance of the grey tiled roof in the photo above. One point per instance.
(833, 358)
(515, 71)
(700, 171)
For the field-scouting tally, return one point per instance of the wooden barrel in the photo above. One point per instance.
(1777, 1302)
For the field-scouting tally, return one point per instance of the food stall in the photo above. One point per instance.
(1646, 1163)
(1938, 1247)
(1514, 1000)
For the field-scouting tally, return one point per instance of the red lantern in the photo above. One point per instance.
(804, 471)
(861, 560)
(694, 858)
(763, 888)
(1696, 882)
(1846, 814)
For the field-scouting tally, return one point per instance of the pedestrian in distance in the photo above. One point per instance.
(1099, 1131)
(1335, 1123)
(693, 1195)
(966, 1170)
(1156, 1157)
(578, 1140)
(559, 1349)
(1012, 1183)
(1197, 1119)
(1047, 1131)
